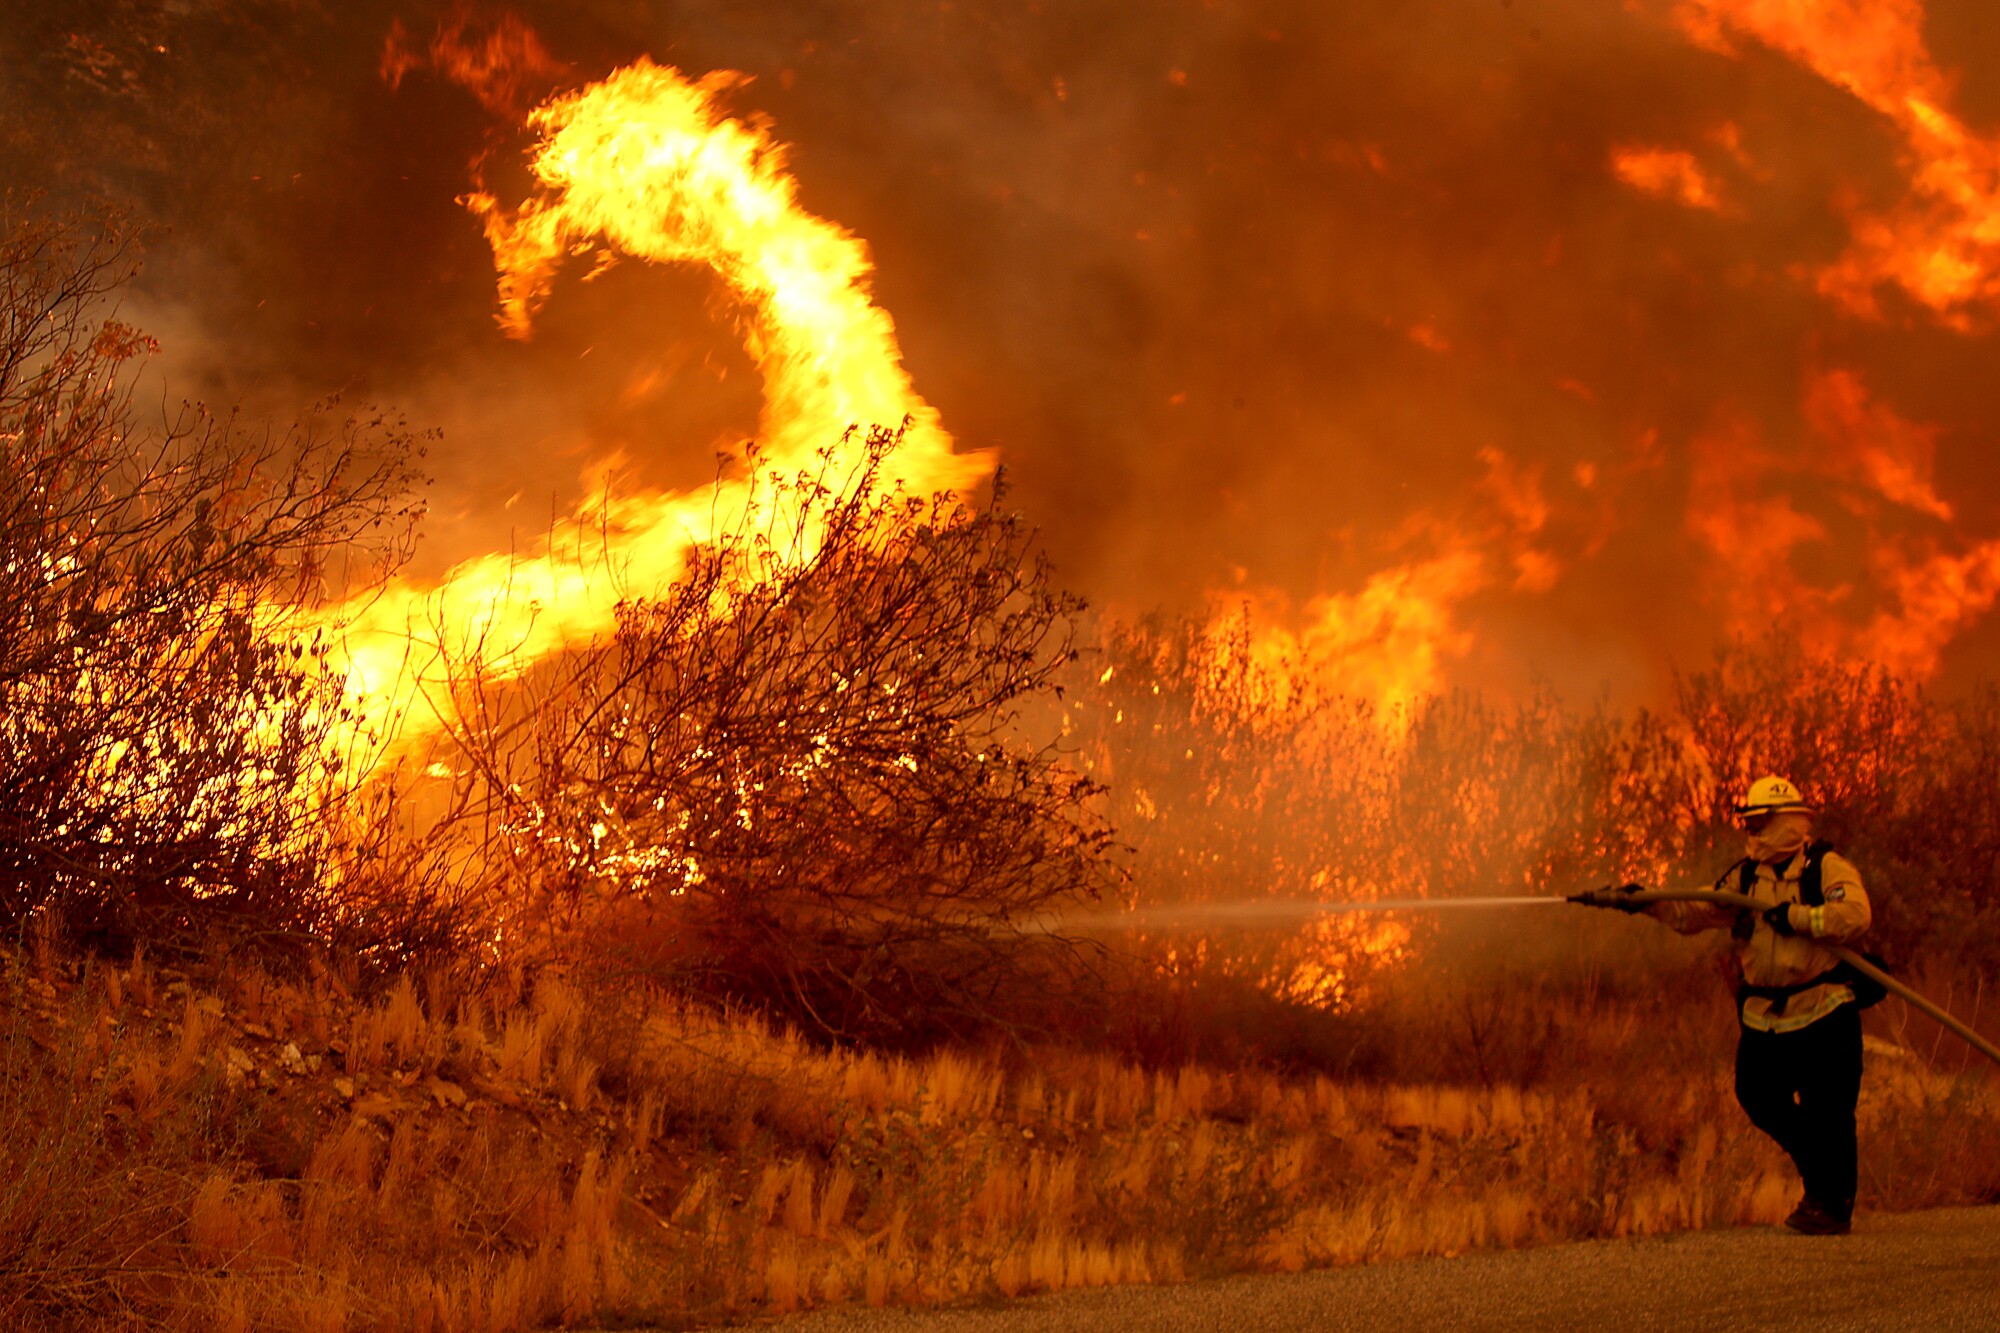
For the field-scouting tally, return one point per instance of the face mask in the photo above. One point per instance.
(1779, 840)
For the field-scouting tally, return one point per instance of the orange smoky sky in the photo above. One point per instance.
(1523, 341)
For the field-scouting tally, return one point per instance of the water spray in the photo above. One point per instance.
(1280, 911)
(1275, 911)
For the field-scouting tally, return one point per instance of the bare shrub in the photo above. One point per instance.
(163, 745)
(1946, 837)
(1853, 736)
(798, 778)
(1236, 778)
(1228, 779)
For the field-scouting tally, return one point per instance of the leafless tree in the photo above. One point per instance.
(163, 740)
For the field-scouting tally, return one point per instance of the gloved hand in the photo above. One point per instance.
(1779, 918)
(1616, 897)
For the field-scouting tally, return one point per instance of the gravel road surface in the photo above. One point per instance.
(1938, 1272)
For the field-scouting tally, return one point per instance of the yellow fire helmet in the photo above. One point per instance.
(1772, 796)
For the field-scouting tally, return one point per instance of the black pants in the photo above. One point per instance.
(1800, 1088)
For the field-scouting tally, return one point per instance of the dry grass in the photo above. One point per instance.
(506, 1156)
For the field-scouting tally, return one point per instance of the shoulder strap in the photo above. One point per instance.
(1810, 891)
(1744, 873)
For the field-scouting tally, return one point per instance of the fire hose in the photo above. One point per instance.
(1614, 898)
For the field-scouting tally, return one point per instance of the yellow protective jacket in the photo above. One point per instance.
(1770, 959)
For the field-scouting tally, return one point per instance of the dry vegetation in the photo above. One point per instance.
(166, 765)
(492, 1155)
(716, 978)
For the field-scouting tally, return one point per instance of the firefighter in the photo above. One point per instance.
(1798, 1059)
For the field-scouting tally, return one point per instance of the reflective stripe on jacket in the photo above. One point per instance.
(1771, 959)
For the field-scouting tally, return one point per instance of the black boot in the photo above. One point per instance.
(1813, 1218)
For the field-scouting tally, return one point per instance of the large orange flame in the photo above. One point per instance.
(1387, 643)
(1391, 643)
(645, 165)
(1894, 456)
(1941, 243)
(1928, 585)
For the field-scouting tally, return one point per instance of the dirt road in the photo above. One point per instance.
(1937, 1272)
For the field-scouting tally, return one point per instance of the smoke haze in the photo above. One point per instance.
(1497, 336)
